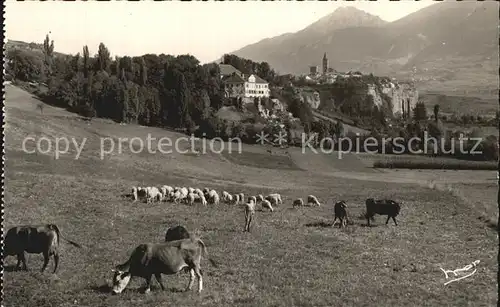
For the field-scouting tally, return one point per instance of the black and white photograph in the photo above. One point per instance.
(250, 153)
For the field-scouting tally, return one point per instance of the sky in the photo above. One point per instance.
(206, 30)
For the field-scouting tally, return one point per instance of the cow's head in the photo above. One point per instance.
(121, 279)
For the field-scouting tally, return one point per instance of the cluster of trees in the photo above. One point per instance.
(248, 67)
(151, 90)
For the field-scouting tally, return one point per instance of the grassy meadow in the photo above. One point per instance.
(293, 257)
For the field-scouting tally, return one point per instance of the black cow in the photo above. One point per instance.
(34, 239)
(382, 207)
(177, 233)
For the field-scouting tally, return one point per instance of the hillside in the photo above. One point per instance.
(451, 44)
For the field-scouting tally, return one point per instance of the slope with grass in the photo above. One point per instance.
(292, 258)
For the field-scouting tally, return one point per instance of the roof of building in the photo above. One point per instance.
(258, 80)
(226, 69)
(233, 78)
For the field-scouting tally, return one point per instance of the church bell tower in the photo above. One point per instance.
(325, 64)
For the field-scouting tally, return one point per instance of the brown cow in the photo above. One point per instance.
(162, 258)
(34, 239)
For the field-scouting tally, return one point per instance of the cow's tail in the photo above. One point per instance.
(54, 227)
(205, 253)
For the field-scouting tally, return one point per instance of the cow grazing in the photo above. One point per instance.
(162, 258)
(176, 233)
(249, 214)
(382, 207)
(340, 210)
(34, 239)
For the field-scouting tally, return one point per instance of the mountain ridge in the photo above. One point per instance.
(461, 37)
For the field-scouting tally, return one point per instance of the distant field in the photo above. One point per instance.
(291, 258)
(460, 104)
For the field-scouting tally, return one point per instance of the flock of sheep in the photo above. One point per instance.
(207, 196)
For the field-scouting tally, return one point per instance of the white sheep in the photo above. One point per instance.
(312, 199)
(153, 194)
(213, 197)
(278, 197)
(166, 190)
(191, 190)
(203, 200)
(191, 198)
(236, 199)
(299, 202)
(273, 199)
(267, 204)
(225, 196)
(176, 196)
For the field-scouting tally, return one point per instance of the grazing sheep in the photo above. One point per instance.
(226, 197)
(249, 214)
(275, 196)
(260, 198)
(134, 193)
(198, 191)
(184, 192)
(267, 204)
(299, 202)
(213, 197)
(176, 196)
(382, 207)
(236, 199)
(153, 194)
(311, 199)
(340, 210)
(191, 198)
(273, 199)
(191, 190)
(242, 198)
(166, 190)
(203, 200)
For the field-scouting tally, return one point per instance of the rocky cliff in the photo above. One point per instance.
(402, 96)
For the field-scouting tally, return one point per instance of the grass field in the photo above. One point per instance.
(291, 258)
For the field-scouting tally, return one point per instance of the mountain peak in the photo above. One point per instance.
(346, 17)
